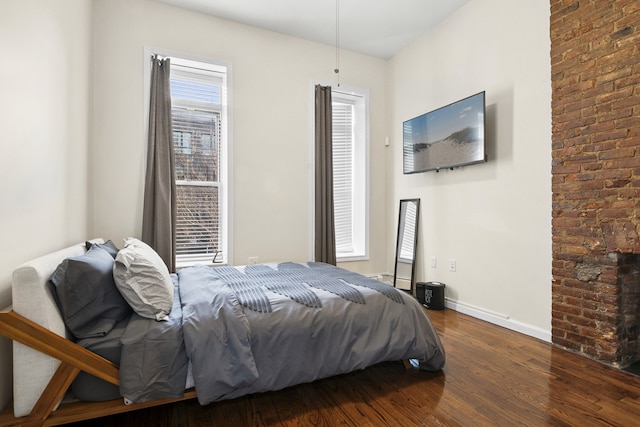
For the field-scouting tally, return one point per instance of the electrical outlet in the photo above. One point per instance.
(253, 260)
(434, 262)
(452, 265)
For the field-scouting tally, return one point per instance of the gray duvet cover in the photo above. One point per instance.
(265, 327)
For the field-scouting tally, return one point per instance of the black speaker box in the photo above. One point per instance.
(431, 294)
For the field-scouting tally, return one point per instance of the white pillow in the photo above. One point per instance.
(143, 280)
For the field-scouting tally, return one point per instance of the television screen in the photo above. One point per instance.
(445, 138)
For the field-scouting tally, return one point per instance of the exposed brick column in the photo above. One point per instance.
(595, 66)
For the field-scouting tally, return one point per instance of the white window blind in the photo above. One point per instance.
(343, 174)
(197, 92)
(408, 233)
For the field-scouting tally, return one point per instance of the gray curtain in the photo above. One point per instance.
(325, 234)
(159, 211)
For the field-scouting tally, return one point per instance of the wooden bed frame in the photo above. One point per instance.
(74, 359)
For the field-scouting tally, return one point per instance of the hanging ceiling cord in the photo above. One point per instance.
(337, 69)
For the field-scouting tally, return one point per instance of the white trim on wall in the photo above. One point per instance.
(499, 319)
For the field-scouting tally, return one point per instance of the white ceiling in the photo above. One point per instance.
(377, 28)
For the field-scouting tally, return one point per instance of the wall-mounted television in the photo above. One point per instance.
(446, 138)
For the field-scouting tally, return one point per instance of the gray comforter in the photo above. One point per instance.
(265, 327)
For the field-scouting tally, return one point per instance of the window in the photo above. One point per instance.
(198, 108)
(182, 142)
(350, 180)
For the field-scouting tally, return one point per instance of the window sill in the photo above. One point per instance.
(186, 264)
(351, 258)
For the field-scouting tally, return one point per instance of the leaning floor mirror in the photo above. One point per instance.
(405, 261)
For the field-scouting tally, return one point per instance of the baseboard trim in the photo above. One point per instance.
(498, 319)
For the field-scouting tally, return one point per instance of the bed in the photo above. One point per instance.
(211, 333)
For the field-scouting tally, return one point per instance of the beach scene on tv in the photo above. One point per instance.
(444, 138)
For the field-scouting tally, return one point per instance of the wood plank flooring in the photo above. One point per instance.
(493, 377)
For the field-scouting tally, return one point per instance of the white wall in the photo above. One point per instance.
(44, 117)
(271, 80)
(493, 218)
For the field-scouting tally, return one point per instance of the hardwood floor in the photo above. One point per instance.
(493, 377)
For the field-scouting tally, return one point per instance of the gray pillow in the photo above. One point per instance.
(86, 293)
(143, 280)
(108, 246)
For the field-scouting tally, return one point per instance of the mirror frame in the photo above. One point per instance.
(402, 221)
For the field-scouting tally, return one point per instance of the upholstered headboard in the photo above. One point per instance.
(32, 298)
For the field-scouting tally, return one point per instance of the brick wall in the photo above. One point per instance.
(595, 73)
